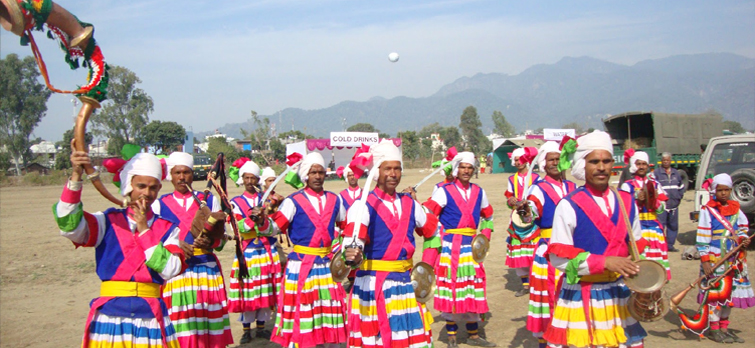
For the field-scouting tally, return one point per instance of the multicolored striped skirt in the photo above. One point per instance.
(384, 312)
(313, 313)
(519, 253)
(198, 306)
(594, 314)
(263, 283)
(657, 249)
(461, 280)
(126, 332)
(543, 280)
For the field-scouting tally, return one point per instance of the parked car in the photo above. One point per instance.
(734, 155)
(202, 164)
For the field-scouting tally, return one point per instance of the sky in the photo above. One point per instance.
(208, 63)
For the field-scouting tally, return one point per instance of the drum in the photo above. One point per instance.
(648, 307)
(650, 278)
(480, 247)
(423, 281)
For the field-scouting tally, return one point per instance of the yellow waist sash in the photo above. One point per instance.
(387, 266)
(606, 276)
(115, 288)
(198, 252)
(324, 251)
(248, 235)
(467, 231)
(545, 232)
(648, 216)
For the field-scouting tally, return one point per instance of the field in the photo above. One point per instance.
(46, 284)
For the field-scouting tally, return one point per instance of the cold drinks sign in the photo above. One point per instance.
(353, 138)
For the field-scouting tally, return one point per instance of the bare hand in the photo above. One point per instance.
(203, 242)
(410, 190)
(78, 160)
(353, 254)
(257, 215)
(641, 195)
(746, 242)
(511, 201)
(139, 214)
(187, 248)
(708, 268)
(621, 265)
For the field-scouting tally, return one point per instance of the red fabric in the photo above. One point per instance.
(69, 196)
(615, 235)
(240, 162)
(185, 218)
(433, 206)
(731, 207)
(397, 225)
(563, 250)
(293, 158)
(628, 155)
(431, 224)
(451, 153)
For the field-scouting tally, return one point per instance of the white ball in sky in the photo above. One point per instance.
(393, 57)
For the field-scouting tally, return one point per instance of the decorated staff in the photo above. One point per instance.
(195, 309)
(462, 295)
(650, 198)
(521, 246)
(542, 199)
(588, 243)
(385, 309)
(260, 255)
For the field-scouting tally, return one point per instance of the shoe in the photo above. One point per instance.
(523, 291)
(246, 337)
(720, 337)
(480, 342)
(262, 333)
(673, 250)
(734, 336)
(452, 343)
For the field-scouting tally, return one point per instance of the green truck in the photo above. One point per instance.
(682, 135)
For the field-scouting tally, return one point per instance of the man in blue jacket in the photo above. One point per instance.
(674, 186)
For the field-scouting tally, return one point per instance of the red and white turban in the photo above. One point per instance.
(248, 167)
(309, 160)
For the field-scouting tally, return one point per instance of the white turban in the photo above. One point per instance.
(463, 157)
(638, 156)
(248, 167)
(548, 147)
(267, 173)
(518, 152)
(141, 164)
(309, 160)
(384, 151)
(346, 171)
(721, 179)
(597, 140)
(180, 159)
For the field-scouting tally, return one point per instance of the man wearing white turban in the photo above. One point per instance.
(588, 243)
(350, 194)
(650, 198)
(543, 197)
(309, 217)
(184, 300)
(462, 293)
(383, 310)
(723, 226)
(261, 257)
(137, 251)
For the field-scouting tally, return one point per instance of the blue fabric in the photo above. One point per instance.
(300, 228)
(380, 236)
(451, 213)
(589, 237)
(670, 184)
(549, 206)
(670, 220)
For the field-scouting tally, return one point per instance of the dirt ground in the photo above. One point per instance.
(46, 284)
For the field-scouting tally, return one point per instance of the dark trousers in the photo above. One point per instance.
(670, 222)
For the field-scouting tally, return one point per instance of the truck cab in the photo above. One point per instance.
(202, 164)
(733, 155)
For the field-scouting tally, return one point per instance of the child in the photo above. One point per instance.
(722, 227)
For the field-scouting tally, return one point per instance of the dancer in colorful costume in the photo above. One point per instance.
(520, 251)
(383, 310)
(259, 295)
(650, 204)
(136, 251)
(311, 306)
(543, 198)
(196, 299)
(589, 244)
(722, 226)
(461, 295)
(352, 193)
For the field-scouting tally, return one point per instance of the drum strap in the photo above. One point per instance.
(625, 214)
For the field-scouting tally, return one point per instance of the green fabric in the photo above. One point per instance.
(69, 222)
(567, 154)
(432, 242)
(572, 268)
(222, 245)
(159, 258)
(661, 208)
(486, 224)
(233, 173)
(293, 179)
(129, 151)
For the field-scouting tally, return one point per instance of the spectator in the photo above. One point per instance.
(672, 183)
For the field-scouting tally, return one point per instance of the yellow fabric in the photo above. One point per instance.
(387, 266)
(468, 231)
(114, 288)
(248, 235)
(604, 277)
(324, 251)
(647, 216)
(545, 232)
(198, 251)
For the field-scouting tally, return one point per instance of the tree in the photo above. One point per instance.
(294, 135)
(127, 113)
(502, 127)
(451, 136)
(430, 129)
(410, 144)
(471, 130)
(575, 126)
(163, 136)
(734, 127)
(219, 144)
(63, 159)
(22, 105)
(260, 138)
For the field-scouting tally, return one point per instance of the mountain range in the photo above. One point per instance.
(582, 90)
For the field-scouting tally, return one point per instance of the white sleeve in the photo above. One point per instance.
(564, 223)
(358, 214)
(439, 197)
